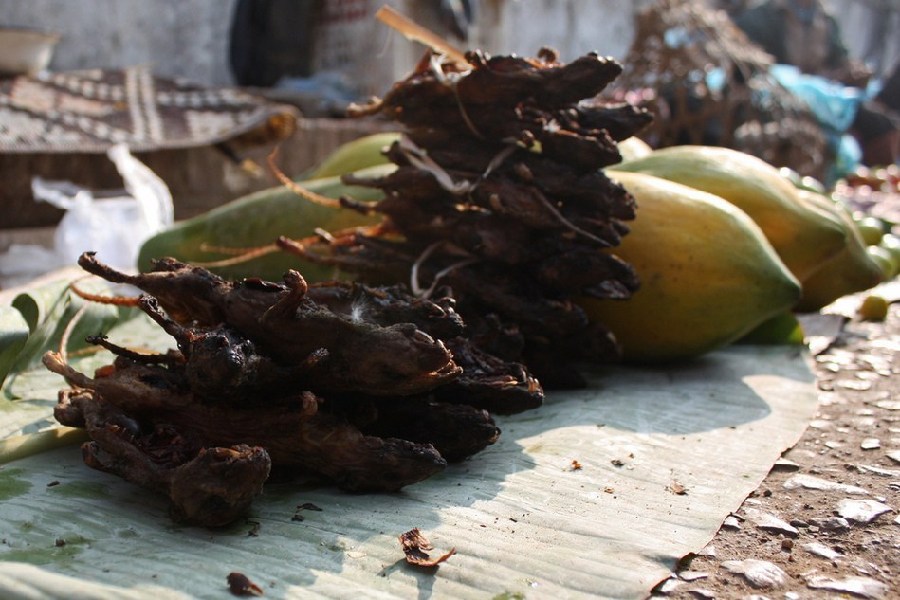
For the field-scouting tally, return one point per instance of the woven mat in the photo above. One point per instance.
(89, 111)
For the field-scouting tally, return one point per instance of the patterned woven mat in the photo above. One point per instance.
(89, 111)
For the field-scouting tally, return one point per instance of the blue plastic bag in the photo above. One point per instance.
(833, 103)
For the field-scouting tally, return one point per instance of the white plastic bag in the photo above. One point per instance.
(114, 225)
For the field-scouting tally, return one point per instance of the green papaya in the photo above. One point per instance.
(851, 270)
(361, 153)
(258, 219)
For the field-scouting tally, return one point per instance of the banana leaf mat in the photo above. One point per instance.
(597, 494)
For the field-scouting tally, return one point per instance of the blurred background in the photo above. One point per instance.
(284, 71)
(193, 38)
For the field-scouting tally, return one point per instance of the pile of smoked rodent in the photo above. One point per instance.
(500, 197)
(493, 221)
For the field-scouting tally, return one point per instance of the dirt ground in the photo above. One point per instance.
(824, 523)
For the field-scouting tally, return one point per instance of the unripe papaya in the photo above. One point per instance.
(851, 270)
(361, 153)
(782, 329)
(802, 237)
(258, 219)
(708, 274)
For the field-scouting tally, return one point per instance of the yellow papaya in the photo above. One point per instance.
(802, 237)
(708, 274)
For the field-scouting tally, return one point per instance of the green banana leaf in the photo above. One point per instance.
(13, 337)
(599, 493)
(34, 321)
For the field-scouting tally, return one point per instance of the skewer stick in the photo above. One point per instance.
(296, 187)
(413, 31)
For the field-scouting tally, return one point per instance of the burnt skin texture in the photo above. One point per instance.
(500, 195)
(208, 486)
(294, 432)
(289, 327)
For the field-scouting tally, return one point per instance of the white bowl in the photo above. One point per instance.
(25, 51)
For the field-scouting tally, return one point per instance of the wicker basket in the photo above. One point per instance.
(706, 83)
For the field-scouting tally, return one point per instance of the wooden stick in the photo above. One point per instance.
(296, 187)
(413, 31)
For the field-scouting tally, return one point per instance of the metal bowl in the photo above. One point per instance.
(25, 51)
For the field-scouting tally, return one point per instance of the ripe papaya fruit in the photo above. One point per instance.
(802, 237)
(257, 220)
(851, 270)
(708, 274)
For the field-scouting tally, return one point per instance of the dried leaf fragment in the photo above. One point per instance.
(677, 488)
(416, 547)
(760, 574)
(861, 511)
(863, 587)
(298, 514)
(254, 528)
(769, 522)
(240, 585)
